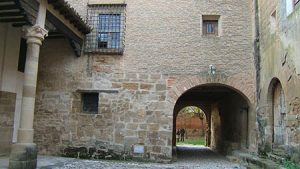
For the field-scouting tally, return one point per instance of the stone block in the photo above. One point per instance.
(161, 87)
(146, 86)
(130, 140)
(131, 86)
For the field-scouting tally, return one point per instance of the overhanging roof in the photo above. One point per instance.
(59, 14)
(11, 11)
(70, 14)
(19, 12)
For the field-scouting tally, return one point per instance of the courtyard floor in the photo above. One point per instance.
(189, 157)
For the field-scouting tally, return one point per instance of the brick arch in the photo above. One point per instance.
(240, 83)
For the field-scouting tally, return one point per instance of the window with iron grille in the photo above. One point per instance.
(90, 102)
(108, 23)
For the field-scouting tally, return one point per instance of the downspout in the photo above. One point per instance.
(257, 58)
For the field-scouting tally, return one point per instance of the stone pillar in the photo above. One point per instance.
(24, 152)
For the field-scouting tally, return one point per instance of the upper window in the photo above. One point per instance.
(107, 35)
(210, 25)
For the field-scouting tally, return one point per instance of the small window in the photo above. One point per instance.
(210, 25)
(108, 23)
(90, 102)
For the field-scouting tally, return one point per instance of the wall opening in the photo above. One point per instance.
(226, 111)
(276, 102)
(191, 127)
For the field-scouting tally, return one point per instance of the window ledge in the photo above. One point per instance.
(106, 51)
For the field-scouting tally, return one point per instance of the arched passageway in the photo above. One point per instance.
(226, 110)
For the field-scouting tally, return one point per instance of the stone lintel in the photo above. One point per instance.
(96, 91)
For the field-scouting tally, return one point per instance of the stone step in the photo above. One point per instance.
(252, 161)
(233, 159)
(279, 152)
(276, 158)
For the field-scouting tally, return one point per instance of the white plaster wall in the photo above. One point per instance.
(19, 87)
(3, 29)
(11, 80)
(10, 61)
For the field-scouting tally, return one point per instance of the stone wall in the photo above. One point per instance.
(163, 48)
(279, 45)
(195, 128)
(7, 110)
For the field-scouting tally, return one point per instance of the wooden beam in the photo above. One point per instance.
(12, 19)
(3, 14)
(65, 21)
(7, 1)
(20, 24)
(63, 28)
(8, 7)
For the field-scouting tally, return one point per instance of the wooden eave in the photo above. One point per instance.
(12, 12)
(70, 14)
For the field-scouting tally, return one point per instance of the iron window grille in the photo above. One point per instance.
(108, 24)
(90, 102)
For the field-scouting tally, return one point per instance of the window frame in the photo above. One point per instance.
(214, 24)
(84, 96)
(93, 40)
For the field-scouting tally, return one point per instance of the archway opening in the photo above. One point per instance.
(226, 111)
(277, 110)
(191, 127)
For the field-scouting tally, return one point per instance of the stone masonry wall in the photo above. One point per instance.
(7, 110)
(279, 54)
(163, 46)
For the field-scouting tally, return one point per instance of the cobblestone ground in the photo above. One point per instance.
(188, 158)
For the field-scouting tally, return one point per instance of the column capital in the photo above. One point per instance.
(35, 34)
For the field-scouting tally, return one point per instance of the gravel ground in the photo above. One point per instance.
(188, 158)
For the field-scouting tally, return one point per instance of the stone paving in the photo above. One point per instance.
(188, 158)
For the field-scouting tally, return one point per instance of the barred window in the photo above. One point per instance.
(90, 102)
(108, 23)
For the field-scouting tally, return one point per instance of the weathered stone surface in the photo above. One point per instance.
(23, 156)
(146, 77)
(7, 110)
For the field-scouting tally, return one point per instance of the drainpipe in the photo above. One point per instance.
(257, 58)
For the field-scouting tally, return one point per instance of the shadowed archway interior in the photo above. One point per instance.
(226, 110)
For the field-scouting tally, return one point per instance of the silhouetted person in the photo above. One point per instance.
(177, 135)
(182, 133)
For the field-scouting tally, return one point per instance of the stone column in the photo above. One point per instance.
(24, 152)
